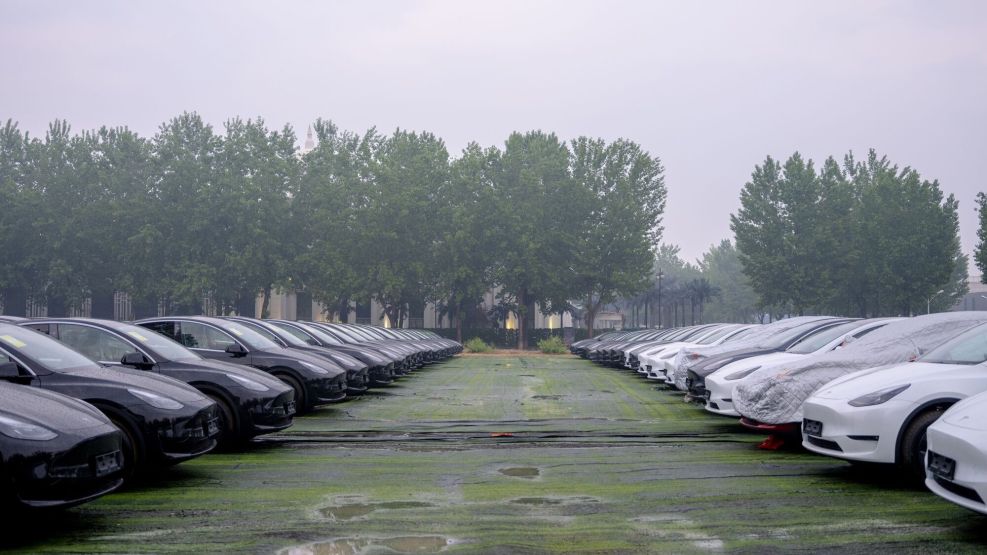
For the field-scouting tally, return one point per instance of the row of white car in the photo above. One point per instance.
(907, 392)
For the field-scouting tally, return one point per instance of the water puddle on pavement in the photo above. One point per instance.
(548, 397)
(356, 510)
(526, 472)
(358, 546)
(551, 501)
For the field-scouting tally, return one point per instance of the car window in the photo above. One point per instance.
(200, 336)
(164, 328)
(968, 348)
(819, 339)
(44, 350)
(95, 343)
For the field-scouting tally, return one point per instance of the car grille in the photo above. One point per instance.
(962, 491)
(941, 465)
(812, 427)
(824, 443)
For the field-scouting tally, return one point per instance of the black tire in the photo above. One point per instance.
(911, 452)
(229, 426)
(133, 447)
(301, 402)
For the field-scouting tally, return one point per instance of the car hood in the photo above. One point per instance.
(220, 367)
(127, 377)
(50, 410)
(970, 413)
(862, 383)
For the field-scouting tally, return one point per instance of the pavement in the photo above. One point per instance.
(511, 454)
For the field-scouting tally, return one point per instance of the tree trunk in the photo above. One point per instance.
(591, 311)
(459, 326)
(522, 320)
(265, 307)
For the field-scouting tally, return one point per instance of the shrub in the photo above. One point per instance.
(552, 345)
(477, 345)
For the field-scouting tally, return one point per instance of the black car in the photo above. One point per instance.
(402, 358)
(357, 378)
(164, 421)
(55, 451)
(381, 367)
(315, 380)
(251, 402)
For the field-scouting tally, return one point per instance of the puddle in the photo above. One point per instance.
(526, 472)
(356, 510)
(552, 501)
(358, 546)
(548, 397)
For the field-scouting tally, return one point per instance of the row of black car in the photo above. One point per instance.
(86, 404)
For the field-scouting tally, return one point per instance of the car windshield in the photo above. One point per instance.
(968, 348)
(782, 339)
(53, 355)
(710, 338)
(323, 336)
(160, 344)
(819, 339)
(744, 333)
(250, 337)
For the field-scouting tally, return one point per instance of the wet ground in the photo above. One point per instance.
(508, 454)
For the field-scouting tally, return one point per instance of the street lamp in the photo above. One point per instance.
(928, 303)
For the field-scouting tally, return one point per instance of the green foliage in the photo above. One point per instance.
(737, 301)
(864, 238)
(980, 252)
(477, 345)
(552, 346)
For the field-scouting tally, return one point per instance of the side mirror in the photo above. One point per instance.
(9, 370)
(137, 360)
(236, 350)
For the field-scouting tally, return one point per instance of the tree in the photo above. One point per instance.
(980, 252)
(533, 249)
(621, 199)
(737, 301)
(463, 252)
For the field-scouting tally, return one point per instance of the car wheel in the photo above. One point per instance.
(911, 454)
(301, 404)
(229, 431)
(133, 447)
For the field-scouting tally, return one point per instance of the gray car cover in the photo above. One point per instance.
(699, 353)
(776, 394)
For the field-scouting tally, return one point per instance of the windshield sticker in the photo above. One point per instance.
(137, 336)
(13, 341)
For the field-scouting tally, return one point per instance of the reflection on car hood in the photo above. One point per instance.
(137, 378)
(48, 409)
(229, 368)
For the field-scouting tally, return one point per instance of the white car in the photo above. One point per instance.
(882, 415)
(956, 461)
(660, 364)
(720, 384)
(647, 359)
(631, 354)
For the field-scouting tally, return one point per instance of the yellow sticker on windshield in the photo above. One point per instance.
(137, 336)
(11, 340)
(236, 331)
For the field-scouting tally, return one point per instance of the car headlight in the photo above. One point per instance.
(879, 396)
(248, 383)
(18, 429)
(314, 368)
(742, 373)
(155, 400)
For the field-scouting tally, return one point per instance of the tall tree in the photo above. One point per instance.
(620, 203)
(980, 252)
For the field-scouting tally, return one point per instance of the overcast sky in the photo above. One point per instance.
(710, 87)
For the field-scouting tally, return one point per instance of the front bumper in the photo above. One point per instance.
(966, 481)
(274, 415)
(327, 390)
(185, 438)
(79, 473)
(855, 433)
(719, 397)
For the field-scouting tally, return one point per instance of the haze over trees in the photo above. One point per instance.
(859, 238)
(194, 216)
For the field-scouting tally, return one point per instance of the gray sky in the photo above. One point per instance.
(710, 87)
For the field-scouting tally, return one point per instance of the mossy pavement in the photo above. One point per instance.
(510, 454)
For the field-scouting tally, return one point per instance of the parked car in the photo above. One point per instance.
(774, 401)
(357, 379)
(882, 416)
(400, 359)
(55, 451)
(695, 378)
(164, 421)
(250, 402)
(380, 368)
(956, 461)
(721, 384)
(315, 380)
(641, 359)
(658, 363)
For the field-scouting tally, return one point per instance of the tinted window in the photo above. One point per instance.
(43, 349)
(164, 328)
(162, 345)
(200, 336)
(95, 343)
